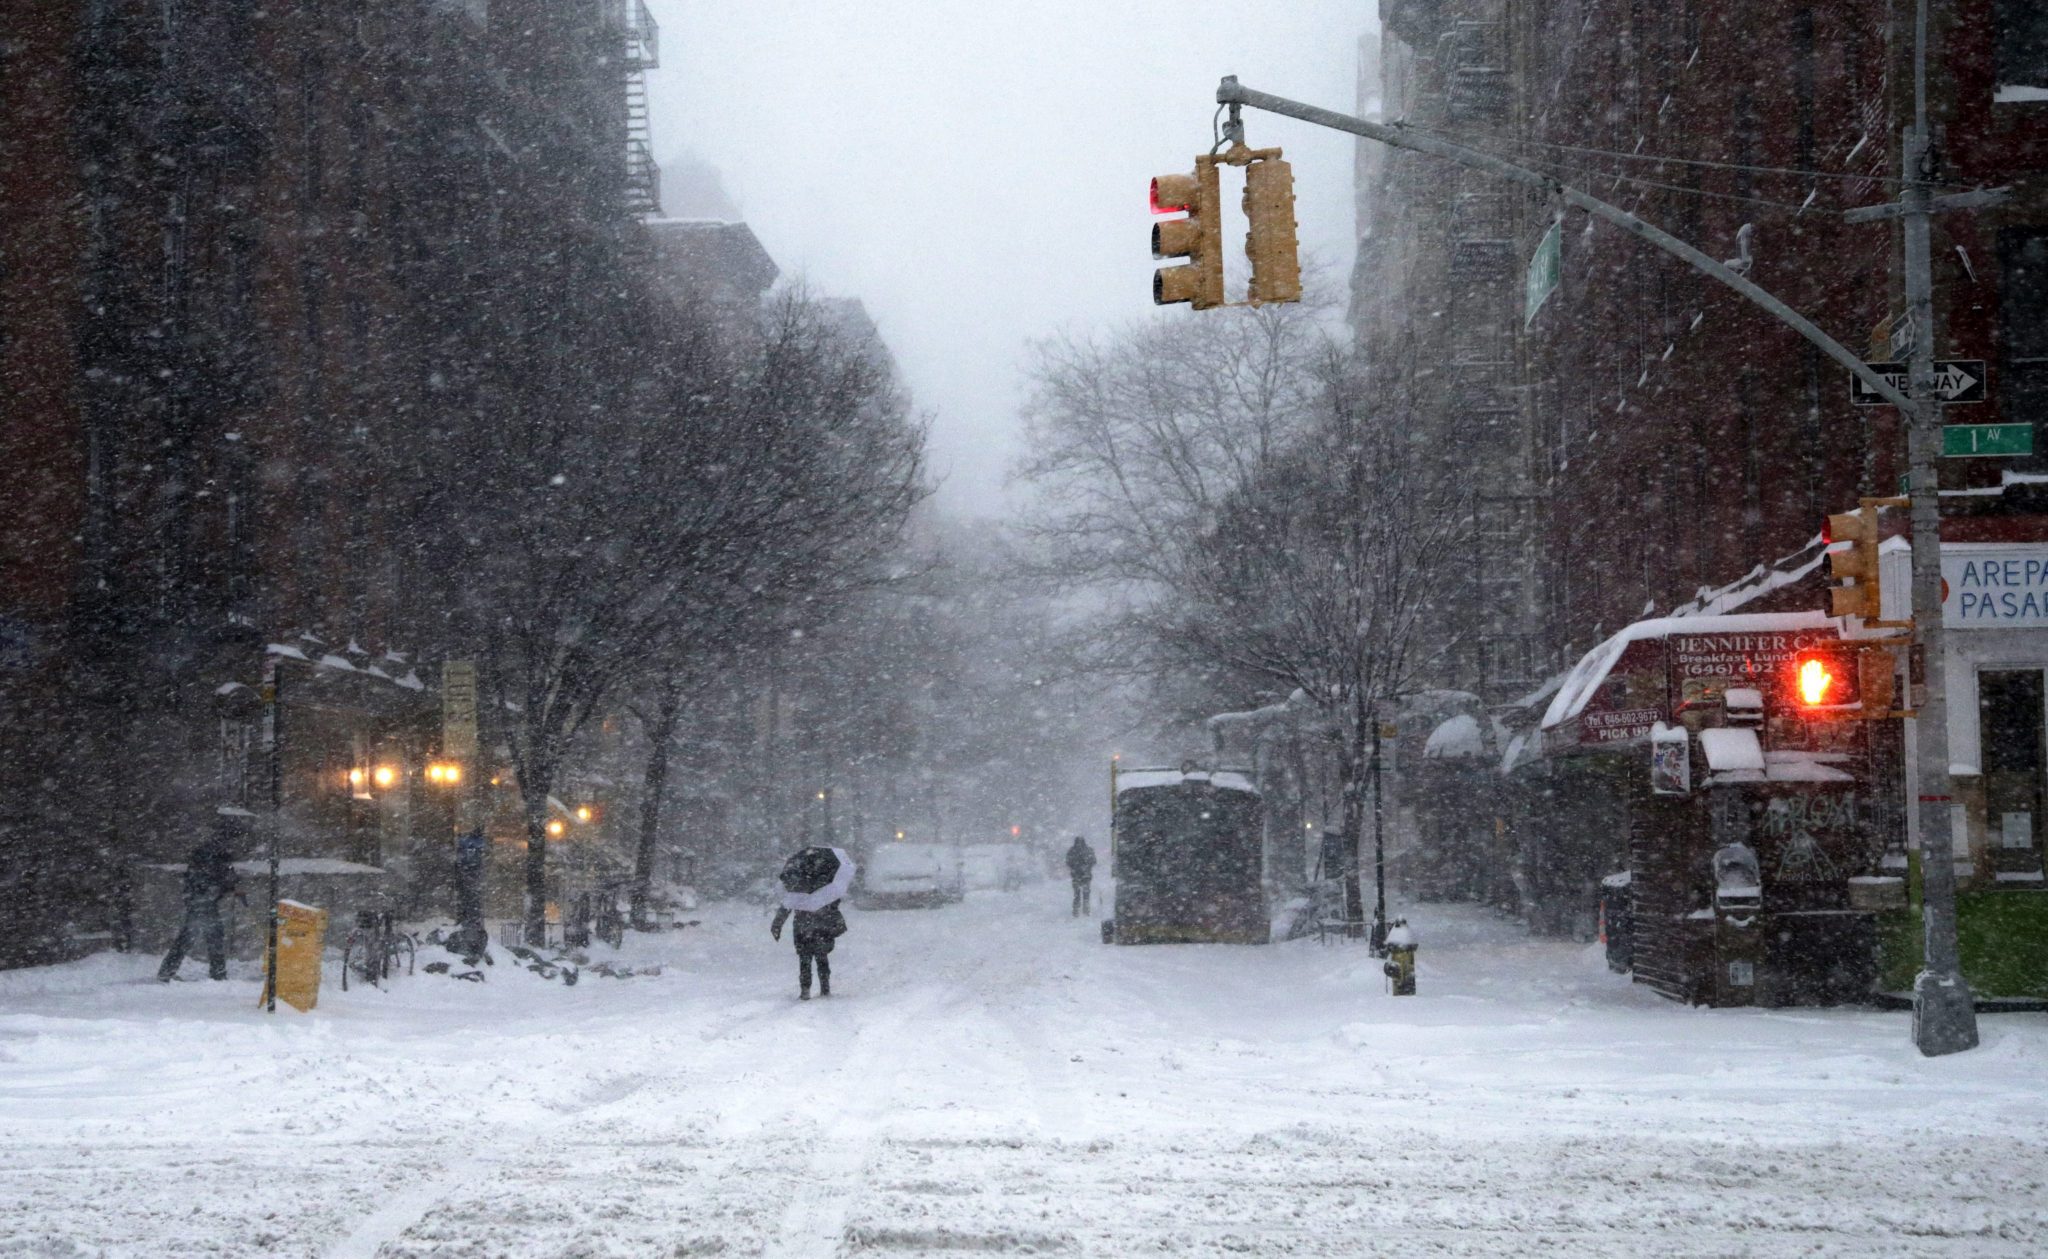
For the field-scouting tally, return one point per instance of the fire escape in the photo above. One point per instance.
(639, 51)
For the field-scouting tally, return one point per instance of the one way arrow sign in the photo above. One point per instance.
(1956, 380)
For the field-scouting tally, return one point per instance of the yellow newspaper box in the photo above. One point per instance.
(301, 937)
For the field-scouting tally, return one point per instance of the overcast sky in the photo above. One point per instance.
(976, 171)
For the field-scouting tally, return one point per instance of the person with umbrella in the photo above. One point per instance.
(814, 881)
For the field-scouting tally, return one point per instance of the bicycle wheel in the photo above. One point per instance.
(400, 945)
(351, 949)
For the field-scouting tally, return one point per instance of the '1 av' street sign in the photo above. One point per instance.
(1964, 441)
(1956, 380)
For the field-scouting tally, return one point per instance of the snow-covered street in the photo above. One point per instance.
(989, 1077)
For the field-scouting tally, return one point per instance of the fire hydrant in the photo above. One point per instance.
(1400, 963)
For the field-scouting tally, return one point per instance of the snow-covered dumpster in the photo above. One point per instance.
(1188, 853)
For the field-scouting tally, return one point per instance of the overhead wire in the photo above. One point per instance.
(1473, 139)
(1555, 166)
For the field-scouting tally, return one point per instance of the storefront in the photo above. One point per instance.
(1995, 609)
(1756, 838)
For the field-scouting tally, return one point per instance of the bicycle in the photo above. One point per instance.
(373, 949)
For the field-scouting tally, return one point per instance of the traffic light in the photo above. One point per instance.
(1856, 563)
(1821, 681)
(1270, 240)
(1198, 237)
(1852, 682)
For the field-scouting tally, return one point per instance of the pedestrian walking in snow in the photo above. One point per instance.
(1081, 869)
(813, 882)
(209, 875)
(814, 934)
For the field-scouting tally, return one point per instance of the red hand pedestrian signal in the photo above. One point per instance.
(1823, 683)
(1815, 682)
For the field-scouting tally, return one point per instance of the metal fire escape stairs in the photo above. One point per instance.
(639, 52)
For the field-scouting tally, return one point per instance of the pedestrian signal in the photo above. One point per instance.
(1823, 683)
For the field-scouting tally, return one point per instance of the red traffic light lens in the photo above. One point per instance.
(1169, 206)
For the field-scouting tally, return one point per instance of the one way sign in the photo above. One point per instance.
(1955, 380)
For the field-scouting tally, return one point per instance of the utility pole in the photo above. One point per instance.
(1944, 1019)
(273, 767)
(1379, 850)
(1944, 1016)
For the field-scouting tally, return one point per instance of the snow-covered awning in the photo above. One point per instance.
(1586, 677)
(1458, 738)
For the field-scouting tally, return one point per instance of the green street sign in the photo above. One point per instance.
(1966, 441)
(1545, 269)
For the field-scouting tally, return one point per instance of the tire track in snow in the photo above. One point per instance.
(396, 1216)
(815, 1226)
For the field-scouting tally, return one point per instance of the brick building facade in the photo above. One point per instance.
(267, 274)
(1658, 435)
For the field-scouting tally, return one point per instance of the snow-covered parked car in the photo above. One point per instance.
(911, 874)
(999, 866)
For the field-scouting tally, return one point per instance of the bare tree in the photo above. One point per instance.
(1320, 575)
(631, 530)
(1138, 437)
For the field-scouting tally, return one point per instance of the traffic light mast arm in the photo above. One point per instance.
(1230, 92)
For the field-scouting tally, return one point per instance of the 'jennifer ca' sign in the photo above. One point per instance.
(1994, 585)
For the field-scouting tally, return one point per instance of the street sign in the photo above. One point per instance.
(1980, 441)
(1545, 268)
(1956, 380)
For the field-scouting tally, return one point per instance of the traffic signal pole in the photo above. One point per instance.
(1944, 1014)
(1230, 92)
(1944, 1019)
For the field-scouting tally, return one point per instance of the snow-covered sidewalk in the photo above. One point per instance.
(988, 1078)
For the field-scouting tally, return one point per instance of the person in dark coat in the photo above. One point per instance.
(1081, 869)
(209, 875)
(815, 932)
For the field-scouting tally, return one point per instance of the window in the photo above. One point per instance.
(2009, 714)
(2022, 52)
(2023, 324)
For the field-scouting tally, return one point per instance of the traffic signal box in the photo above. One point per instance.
(1852, 538)
(1198, 237)
(1854, 564)
(1270, 241)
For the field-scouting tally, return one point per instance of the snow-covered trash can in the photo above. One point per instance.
(1617, 922)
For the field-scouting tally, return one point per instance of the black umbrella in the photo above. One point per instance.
(814, 877)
